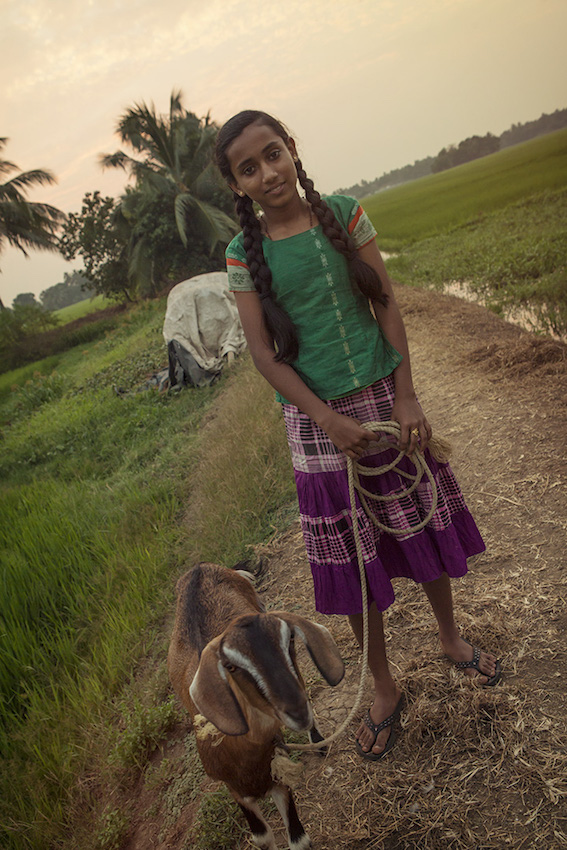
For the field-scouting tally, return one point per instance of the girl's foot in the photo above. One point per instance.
(458, 649)
(382, 707)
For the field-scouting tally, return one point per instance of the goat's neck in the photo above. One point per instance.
(262, 723)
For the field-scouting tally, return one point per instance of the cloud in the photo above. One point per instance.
(62, 45)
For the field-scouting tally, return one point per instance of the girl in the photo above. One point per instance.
(323, 327)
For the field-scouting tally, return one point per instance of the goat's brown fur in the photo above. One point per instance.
(219, 613)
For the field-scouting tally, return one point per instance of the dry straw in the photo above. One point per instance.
(473, 768)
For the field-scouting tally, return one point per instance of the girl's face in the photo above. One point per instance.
(262, 166)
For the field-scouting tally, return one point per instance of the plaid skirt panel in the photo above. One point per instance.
(324, 504)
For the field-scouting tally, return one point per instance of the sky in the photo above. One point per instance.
(365, 86)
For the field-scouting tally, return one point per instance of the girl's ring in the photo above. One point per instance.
(415, 431)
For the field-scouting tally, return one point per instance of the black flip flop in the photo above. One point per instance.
(376, 728)
(464, 665)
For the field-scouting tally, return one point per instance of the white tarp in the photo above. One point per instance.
(201, 314)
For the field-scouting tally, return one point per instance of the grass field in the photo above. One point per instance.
(83, 308)
(498, 225)
(433, 205)
(512, 260)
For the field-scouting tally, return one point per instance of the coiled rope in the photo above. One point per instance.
(355, 469)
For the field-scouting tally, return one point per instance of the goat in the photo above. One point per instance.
(235, 664)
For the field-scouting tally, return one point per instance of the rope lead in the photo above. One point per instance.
(354, 470)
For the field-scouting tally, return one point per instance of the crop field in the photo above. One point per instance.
(433, 205)
(497, 226)
(512, 260)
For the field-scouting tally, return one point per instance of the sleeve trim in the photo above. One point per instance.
(354, 221)
(230, 261)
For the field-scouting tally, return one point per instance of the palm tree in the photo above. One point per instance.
(173, 162)
(24, 224)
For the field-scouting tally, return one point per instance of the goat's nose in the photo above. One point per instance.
(299, 717)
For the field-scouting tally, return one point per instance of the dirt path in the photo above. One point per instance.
(472, 768)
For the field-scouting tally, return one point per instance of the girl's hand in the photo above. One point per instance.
(348, 435)
(414, 427)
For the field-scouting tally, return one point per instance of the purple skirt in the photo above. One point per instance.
(324, 506)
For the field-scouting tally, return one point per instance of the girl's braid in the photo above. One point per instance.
(364, 275)
(280, 326)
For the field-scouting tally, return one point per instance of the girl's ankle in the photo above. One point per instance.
(386, 691)
(450, 636)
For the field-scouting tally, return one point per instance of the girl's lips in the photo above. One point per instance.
(275, 189)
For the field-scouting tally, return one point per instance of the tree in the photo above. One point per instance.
(176, 183)
(24, 299)
(16, 326)
(73, 288)
(24, 224)
(101, 236)
(467, 150)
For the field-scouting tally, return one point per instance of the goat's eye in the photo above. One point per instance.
(231, 668)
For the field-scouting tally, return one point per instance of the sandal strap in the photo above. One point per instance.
(462, 665)
(376, 728)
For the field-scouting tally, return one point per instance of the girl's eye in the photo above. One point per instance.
(275, 153)
(248, 171)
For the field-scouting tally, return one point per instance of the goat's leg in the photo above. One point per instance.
(315, 736)
(262, 835)
(297, 837)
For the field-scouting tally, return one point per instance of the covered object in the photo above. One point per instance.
(202, 329)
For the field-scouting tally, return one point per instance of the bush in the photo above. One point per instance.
(38, 391)
(30, 347)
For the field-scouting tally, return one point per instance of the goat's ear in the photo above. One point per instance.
(213, 696)
(319, 641)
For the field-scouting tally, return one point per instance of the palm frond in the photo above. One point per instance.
(140, 266)
(119, 159)
(207, 182)
(147, 133)
(158, 184)
(175, 105)
(24, 224)
(201, 154)
(6, 167)
(39, 177)
(214, 225)
(25, 237)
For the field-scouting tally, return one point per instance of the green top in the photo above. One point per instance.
(341, 346)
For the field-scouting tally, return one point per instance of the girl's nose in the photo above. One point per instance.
(269, 172)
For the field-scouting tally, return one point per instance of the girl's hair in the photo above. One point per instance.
(278, 322)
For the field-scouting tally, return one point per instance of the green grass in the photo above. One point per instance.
(129, 351)
(219, 823)
(83, 308)
(433, 205)
(513, 257)
(94, 489)
(497, 224)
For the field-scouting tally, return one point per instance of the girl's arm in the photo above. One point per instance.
(347, 434)
(406, 410)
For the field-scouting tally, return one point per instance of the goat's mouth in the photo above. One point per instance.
(298, 720)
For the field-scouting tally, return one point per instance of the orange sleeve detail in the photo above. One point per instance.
(232, 262)
(354, 222)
